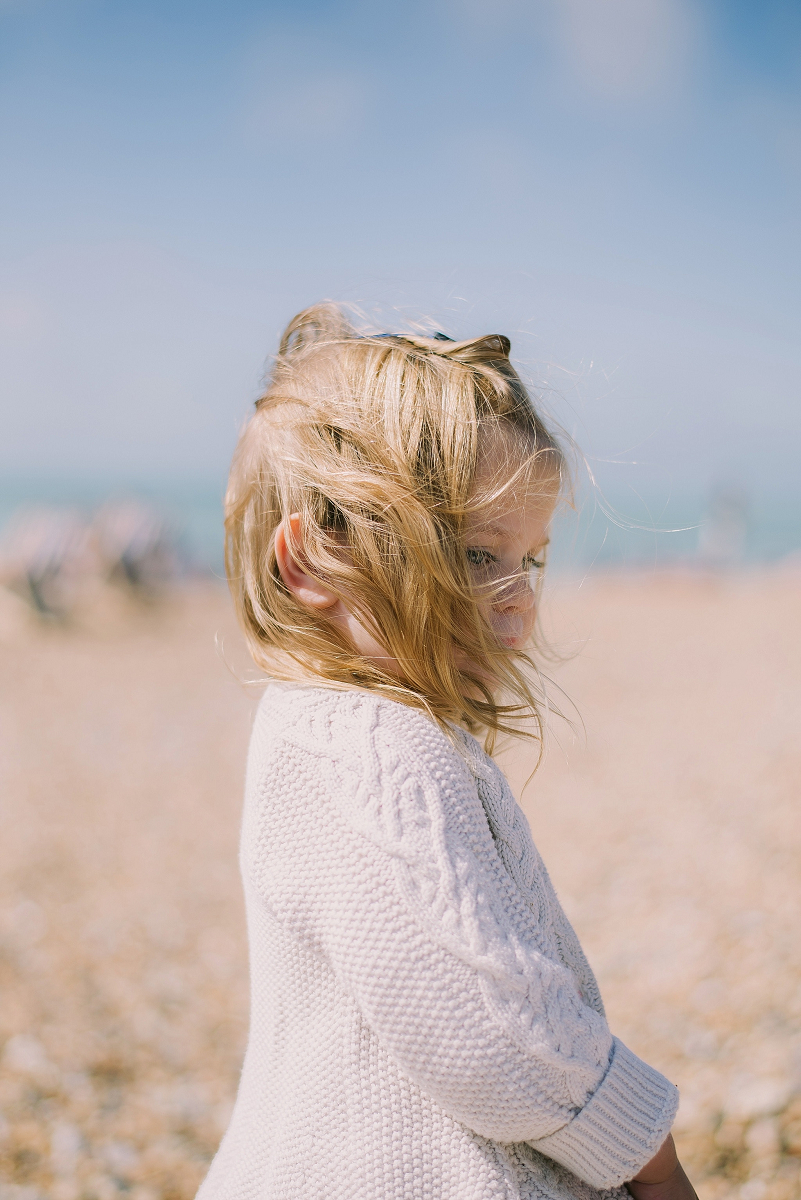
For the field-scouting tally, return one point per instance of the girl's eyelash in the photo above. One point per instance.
(479, 558)
(483, 558)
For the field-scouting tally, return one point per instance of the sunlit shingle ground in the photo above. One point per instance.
(671, 829)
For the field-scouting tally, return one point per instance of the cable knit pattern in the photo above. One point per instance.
(423, 1020)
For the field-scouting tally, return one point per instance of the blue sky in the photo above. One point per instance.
(613, 183)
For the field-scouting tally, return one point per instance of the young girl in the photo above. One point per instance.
(424, 1022)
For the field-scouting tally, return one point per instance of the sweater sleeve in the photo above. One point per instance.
(381, 858)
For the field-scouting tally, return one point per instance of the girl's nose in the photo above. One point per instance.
(517, 596)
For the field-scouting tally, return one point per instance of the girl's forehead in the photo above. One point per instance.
(525, 523)
(511, 474)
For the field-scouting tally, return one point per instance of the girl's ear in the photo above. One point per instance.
(304, 587)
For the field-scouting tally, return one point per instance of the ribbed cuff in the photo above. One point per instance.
(621, 1126)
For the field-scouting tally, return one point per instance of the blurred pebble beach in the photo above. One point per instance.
(669, 824)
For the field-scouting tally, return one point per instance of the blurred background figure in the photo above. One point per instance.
(136, 546)
(57, 559)
(724, 528)
(49, 557)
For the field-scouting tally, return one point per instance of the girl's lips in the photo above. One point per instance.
(510, 631)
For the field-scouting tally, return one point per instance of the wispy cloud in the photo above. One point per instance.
(626, 49)
(618, 50)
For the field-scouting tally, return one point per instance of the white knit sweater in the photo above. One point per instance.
(423, 1020)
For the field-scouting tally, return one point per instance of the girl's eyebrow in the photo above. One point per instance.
(497, 531)
(490, 528)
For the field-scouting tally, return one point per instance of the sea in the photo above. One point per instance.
(728, 527)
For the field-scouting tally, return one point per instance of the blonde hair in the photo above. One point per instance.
(374, 439)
